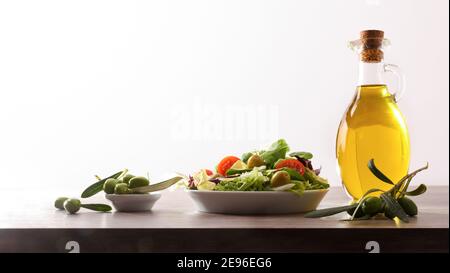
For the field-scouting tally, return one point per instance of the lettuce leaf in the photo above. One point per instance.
(250, 181)
(275, 152)
(298, 188)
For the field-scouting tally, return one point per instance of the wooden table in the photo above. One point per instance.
(175, 226)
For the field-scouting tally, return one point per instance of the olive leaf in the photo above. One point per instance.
(369, 192)
(360, 201)
(403, 184)
(394, 207)
(157, 187)
(401, 187)
(97, 207)
(98, 186)
(329, 211)
(380, 175)
(304, 155)
(418, 191)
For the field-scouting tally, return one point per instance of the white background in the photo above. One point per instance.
(91, 87)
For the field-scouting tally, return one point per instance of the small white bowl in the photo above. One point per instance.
(133, 202)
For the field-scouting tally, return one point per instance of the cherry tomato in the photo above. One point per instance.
(292, 164)
(225, 164)
(209, 172)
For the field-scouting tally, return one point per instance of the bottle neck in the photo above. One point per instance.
(371, 73)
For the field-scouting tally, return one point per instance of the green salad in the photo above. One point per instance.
(272, 169)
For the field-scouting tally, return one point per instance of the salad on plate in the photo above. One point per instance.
(272, 169)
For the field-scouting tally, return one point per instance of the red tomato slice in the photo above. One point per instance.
(292, 164)
(209, 172)
(225, 164)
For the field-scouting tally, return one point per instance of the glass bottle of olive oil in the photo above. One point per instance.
(372, 126)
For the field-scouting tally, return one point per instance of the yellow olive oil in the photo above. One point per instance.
(372, 127)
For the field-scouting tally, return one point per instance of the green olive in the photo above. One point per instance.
(358, 214)
(72, 205)
(121, 188)
(372, 205)
(59, 203)
(255, 161)
(279, 179)
(109, 185)
(383, 206)
(126, 178)
(408, 206)
(389, 214)
(138, 181)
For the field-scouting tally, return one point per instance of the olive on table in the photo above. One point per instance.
(59, 203)
(383, 206)
(121, 188)
(138, 181)
(280, 178)
(255, 161)
(388, 214)
(372, 205)
(126, 178)
(110, 185)
(408, 206)
(358, 214)
(72, 205)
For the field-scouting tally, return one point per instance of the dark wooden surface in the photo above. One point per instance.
(175, 226)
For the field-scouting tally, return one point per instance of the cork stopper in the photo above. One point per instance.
(371, 44)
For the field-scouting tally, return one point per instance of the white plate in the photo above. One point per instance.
(256, 202)
(133, 202)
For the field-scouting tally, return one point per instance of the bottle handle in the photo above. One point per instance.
(394, 69)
